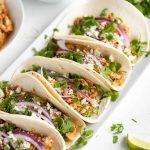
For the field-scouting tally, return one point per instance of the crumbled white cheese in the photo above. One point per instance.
(26, 144)
(111, 58)
(90, 66)
(83, 101)
(48, 106)
(18, 90)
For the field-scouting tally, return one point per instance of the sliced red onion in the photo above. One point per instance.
(2, 121)
(29, 138)
(92, 101)
(71, 85)
(66, 97)
(24, 103)
(125, 38)
(61, 44)
(98, 63)
(103, 19)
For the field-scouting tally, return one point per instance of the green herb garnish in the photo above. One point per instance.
(104, 12)
(142, 5)
(60, 84)
(113, 94)
(116, 129)
(77, 57)
(84, 25)
(7, 127)
(3, 84)
(82, 141)
(137, 48)
(64, 125)
(49, 51)
(115, 139)
(108, 31)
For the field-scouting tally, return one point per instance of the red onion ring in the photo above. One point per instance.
(96, 61)
(24, 103)
(61, 44)
(30, 138)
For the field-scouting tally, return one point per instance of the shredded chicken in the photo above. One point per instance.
(6, 25)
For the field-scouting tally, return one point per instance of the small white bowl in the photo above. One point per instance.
(16, 12)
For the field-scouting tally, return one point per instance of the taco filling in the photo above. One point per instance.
(109, 68)
(111, 30)
(16, 101)
(81, 94)
(15, 138)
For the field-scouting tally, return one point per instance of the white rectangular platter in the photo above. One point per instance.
(40, 42)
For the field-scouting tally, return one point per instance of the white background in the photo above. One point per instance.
(136, 104)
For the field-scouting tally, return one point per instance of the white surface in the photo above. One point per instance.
(134, 105)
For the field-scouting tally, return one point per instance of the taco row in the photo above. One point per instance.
(71, 81)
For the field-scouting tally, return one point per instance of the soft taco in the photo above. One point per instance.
(104, 62)
(121, 26)
(26, 97)
(19, 132)
(71, 85)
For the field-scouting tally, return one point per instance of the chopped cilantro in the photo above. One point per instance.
(137, 48)
(60, 84)
(49, 51)
(115, 139)
(113, 94)
(3, 84)
(142, 5)
(104, 12)
(74, 100)
(63, 125)
(77, 57)
(8, 103)
(35, 68)
(82, 141)
(147, 54)
(84, 25)
(109, 29)
(7, 127)
(116, 129)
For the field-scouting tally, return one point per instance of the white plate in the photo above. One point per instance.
(40, 42)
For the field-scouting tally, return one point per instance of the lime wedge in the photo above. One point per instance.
(137, 144)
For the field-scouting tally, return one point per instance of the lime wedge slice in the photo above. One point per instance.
(137, 144)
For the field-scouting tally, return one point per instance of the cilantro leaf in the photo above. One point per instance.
(7, 127)
(104, 12)
(49, 51)
(3, 84)
(63, 125)
(137, 47)
(82, 141)
(115, 139)
(83, 25)
(142, 5)
(60, 84)
(113, 94)
(77, 57)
